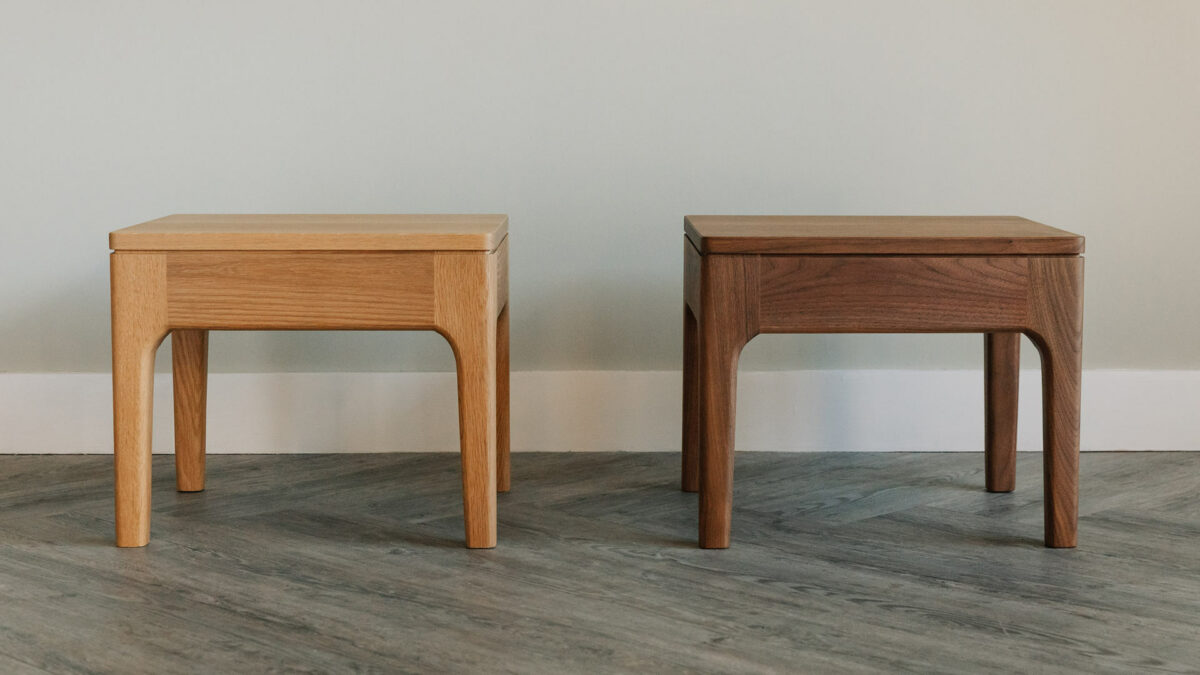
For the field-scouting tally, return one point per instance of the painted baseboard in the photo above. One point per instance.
(850, 410)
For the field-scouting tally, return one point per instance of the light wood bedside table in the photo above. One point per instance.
(188, 274)
(1002, 276)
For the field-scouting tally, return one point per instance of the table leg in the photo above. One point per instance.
(723, 331)
(189, 368)
(1058, 334)
(1001, 378)
(468, 318)
(503, 431)
(138, 326)
(691, 408)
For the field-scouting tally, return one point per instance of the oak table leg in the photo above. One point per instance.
(189, 368)
(467, 317)
(137, 329)
(1001, 379)
(503, 430)
(691, 407)
(477, 431)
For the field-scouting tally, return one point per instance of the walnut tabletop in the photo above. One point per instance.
(879, 235)
(314, 232)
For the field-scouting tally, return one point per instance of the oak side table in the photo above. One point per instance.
(1001, 276)
(189, 274)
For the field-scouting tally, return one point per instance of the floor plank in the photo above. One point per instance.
(840, 563)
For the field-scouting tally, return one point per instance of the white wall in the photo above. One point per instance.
(597, 126)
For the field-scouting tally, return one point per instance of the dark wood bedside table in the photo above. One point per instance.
(1001, 276)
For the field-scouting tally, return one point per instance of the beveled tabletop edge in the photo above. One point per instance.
(477, 232)
(1053, 240)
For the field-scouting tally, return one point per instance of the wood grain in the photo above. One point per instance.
(690, 478)
(867, 294)
(1056, 299)
(189, 375)
(314, 232)
(467, 315)
(139, 324)
(879, 235)
(501, 254)
(462, 294)
(728, 319)
(258, 290)
(739, 296)
(691, 277)
(503, 429)
(1001, 384)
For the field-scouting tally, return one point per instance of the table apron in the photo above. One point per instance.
(902, 294)
(300, 290)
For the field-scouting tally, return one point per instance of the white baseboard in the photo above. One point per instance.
(848, 410)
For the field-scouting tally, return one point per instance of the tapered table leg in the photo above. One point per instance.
(137, 329)
(691, 405)
(468, 318)
(1001, 380)
(503, 430)
(1058, 334)
(189, 368)
(722, 331)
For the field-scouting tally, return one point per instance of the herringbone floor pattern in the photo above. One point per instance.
(840, 563)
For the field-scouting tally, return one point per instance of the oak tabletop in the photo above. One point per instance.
(314, 232)
(879, 235)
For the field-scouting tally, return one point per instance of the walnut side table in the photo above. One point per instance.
(188, 274)
(1001, 276)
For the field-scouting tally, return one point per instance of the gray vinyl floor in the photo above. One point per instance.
(840, 563)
